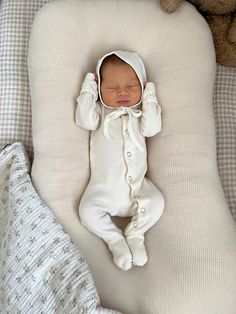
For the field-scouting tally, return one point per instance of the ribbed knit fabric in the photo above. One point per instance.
(192, 249)
(41, 271)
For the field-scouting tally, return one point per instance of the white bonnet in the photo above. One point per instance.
(131, 58)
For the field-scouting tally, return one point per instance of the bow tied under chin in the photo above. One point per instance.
(132, 113)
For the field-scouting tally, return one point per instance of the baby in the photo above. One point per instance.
(120, 109)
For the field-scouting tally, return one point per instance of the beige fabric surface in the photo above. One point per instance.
(192, 249)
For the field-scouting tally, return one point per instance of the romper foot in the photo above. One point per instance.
(138, 251)
(121, 254)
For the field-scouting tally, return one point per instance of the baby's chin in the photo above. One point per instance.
(124, 104)
(120, 104)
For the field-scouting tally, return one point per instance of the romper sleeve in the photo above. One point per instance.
(150, 123)
(87, 114)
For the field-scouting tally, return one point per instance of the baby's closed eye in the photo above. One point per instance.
(133, 85)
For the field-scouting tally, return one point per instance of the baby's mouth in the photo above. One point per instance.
(123, 101)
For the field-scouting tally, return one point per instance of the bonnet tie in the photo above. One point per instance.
(132, 113)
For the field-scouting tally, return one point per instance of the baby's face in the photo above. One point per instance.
(120, 85)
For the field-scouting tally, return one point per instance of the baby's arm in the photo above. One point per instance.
(150, 123)
(87, 112)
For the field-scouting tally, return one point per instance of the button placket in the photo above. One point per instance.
(128, 155)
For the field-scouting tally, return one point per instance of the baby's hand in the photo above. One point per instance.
(89, 85)
(149, 93)
(149, 89)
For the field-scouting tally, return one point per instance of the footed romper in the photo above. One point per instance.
(118, 186)
(118, 161)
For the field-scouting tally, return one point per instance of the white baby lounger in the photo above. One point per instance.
(192, 249)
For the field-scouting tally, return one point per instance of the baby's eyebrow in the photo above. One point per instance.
(108, 81)
(133, 79)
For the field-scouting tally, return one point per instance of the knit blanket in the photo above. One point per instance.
(41, 271)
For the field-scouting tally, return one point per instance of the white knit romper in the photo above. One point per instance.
(118, 161)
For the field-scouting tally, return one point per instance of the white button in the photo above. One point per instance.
(129, 154)
(142, 210)
(126, 131)
(130, 178)
(134, 225)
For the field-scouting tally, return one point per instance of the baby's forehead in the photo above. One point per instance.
(116, 66)
(112, 71)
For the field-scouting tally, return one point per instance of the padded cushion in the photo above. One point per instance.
(192, 249)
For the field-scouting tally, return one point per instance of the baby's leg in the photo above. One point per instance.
(98, 221)
(138, 250)
(149, 211)
(121, 254)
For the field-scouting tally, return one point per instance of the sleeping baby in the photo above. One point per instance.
(120, 109)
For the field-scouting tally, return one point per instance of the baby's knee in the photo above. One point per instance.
(157, 207)
(89, 214)
(86, 215)
(161, 201)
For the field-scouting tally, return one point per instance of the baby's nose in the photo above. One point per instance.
(123, 91)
